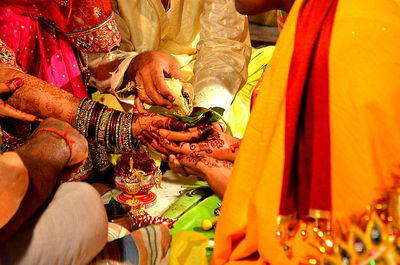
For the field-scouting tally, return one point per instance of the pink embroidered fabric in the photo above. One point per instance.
(40, 50)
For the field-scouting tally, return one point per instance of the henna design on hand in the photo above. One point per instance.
(212, 142)
(153, 121)
(196, 159)
(42, 99)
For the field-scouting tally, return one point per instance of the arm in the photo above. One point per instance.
(224, 52)
(44, 157)
(39, 98)
(44, 100)
(253, 7)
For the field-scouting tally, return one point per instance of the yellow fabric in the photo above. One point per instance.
(365, 133)
(239, 113)
(14, 180)
(207, 37)
(188, 248)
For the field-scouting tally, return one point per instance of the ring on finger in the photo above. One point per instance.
(139, 87)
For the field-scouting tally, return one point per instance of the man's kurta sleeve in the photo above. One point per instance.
(107, 70)
(224, 52)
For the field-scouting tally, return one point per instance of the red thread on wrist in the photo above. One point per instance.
(64, 136)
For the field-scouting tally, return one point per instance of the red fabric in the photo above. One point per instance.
(68, 15)
(307, 169)
(41, 52)
(88, 24)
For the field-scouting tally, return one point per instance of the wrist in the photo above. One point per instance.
(108, 127)
(45, 152)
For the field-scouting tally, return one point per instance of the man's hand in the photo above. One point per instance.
(78, 143)
(148, 70)
(8, 111)
(45, 156)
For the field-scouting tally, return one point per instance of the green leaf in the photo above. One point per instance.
(200, 115)
(218, 112)
(114, 208)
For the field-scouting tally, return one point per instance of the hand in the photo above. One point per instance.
(215, 172)
(165, 127)
(217, 145)
(8, 111)
(79, 146)
(219, 125)
(148, 70)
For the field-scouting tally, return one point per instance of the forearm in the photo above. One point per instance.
(253, 7)
(44, 157)
(224, 52)
(39, 98)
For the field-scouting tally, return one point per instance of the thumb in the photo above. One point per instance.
(11, 85)
(8, 111)
(175, 72)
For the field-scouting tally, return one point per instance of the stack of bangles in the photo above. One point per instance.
(108, 127)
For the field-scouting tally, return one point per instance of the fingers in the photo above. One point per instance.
(151, 81)
(219, 126)
(11, 85)
(192, 134)
(8, 111)
(175, 71)
(139, 105)
(172, 124)
(185, 164)
(172, 147)
(174, 164)
(146, 138)
(141, 91)
(162, 88)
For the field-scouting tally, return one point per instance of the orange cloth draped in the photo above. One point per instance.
(306, 176)
(364, 125)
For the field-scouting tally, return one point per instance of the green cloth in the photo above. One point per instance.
(191, 220)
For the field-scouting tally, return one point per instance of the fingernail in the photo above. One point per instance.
(171, 98)
(155, 135)
(18, 82)
(178, 125)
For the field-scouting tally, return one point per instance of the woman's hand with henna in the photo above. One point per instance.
(166, 127)
(217, 145)
(7, 110)
(215, 172)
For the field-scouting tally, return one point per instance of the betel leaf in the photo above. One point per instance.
(114, 208)
(218, 112)
(200, 115)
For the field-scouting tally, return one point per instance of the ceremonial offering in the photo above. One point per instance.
(135, 175)
(183, 91)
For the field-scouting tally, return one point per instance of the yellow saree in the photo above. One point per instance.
(364, 67)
